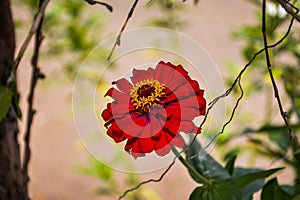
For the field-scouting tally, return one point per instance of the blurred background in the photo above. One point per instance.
(61, 168)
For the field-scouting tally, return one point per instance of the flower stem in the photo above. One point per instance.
(191, 168)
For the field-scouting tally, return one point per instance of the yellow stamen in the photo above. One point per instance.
(147, 93)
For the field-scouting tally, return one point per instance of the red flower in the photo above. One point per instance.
(151, 110)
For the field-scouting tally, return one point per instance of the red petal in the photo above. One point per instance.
(164, 72)
(117, 95)
(184, 91)
(164, 140)
(172, 125)
(182, 71)
(146, 145)
(132, 126)
(178, 141)
(129, 144)
(116, 133)
(140, 75)
(156, 126)
(124, 85)
(119, 109)
(163, 150)
(132, 147)
(188, 127)
(174, 109)
(106, 114)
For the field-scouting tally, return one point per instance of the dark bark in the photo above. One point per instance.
(10, 168)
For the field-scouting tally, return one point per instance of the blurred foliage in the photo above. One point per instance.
(170, 10)
(69, 29)
(113, 185)
(271, 138)
(71, 33)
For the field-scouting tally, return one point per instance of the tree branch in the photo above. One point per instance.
(37, 20)
(92, 2)
(284, 114)
(148, 181)
(118, 39)
(36, 74)
(289, 9)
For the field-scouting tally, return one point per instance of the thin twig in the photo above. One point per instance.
(118, 39)
(237, 79)
(92, 2)
(150, 3)
(30, 111)
(148, 181)
(284, 115)
(37, 20)
(225, 94)
(231, 116)
(289, 9)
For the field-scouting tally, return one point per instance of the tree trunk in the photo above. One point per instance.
(10, 168)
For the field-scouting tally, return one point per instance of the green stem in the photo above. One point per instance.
(191, 168)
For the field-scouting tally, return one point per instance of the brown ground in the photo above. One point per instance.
(55, 149)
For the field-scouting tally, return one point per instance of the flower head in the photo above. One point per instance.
(151, 109)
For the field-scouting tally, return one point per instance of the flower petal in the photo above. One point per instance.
(164, 72)
(117, 95)
(124, 85)
(189, 127)
(178, 141)
(116, 133)
(106, 114)
(146, 145)
(141, 75)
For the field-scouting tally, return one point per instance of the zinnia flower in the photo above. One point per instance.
(151, 109)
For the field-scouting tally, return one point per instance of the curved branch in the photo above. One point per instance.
(118, 39)
(35, 76)
(35, 24)
(92, 2)
(288, 7)
(284, 114)
(148, 181)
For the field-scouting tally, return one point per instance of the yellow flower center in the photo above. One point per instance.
(147, 93)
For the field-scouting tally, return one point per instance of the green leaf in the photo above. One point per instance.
(245, 180)
(253, 187)
(205, 164)
(221, 190)
(270, 128)
(277, 134)
(288, 189)
(230, 163)
(5, 101)
(199, 193)
(282, 139)
(272, 191)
